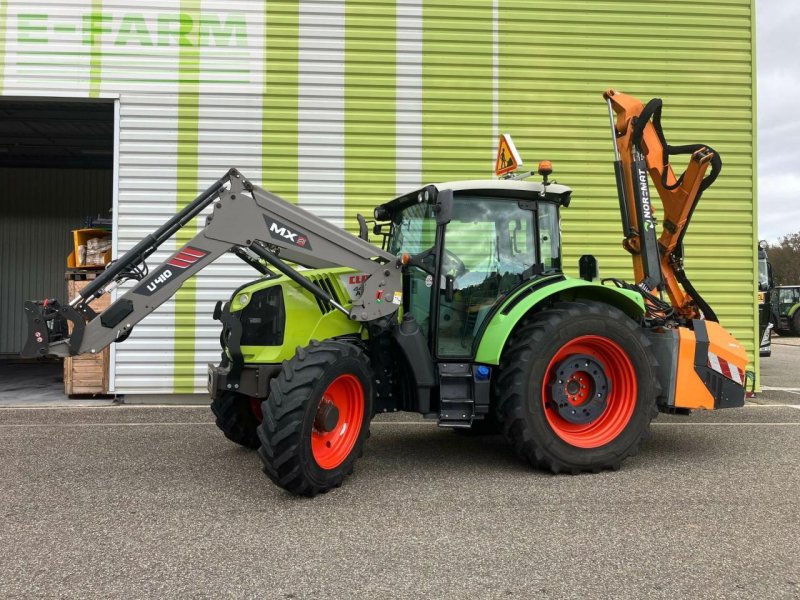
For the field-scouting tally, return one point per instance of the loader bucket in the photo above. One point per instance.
(46, 325)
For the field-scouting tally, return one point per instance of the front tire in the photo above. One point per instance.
(316, 417)
(238, 416)
(577, 388)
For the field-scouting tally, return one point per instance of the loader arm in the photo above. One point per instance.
(246, 220)
(641, 148)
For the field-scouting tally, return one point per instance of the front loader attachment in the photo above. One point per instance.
(248, 221)
(47, 327)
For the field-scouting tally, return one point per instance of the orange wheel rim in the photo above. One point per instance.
(615, 384)
(255, 408)
(331, 448)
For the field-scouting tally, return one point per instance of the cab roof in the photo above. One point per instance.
(532, 187)
(512, 189)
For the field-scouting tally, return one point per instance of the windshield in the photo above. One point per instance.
(413, 230)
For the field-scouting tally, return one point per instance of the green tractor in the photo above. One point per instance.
(785, 301)
(461, 313)
(505, 340)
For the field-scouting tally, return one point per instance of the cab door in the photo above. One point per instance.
(488, 250)
(414, 231)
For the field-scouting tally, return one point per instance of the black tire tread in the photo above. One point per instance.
(235, 419)
(281, 430)
(795, 327)
(519, 350)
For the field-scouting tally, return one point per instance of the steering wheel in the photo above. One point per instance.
(450, 262)
(457, 263)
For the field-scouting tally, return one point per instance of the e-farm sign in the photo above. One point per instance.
(136, 29)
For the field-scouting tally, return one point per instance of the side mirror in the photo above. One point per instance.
(363, 231)
(588, 267)
(448, 287)
(444, 207)
(770, 277)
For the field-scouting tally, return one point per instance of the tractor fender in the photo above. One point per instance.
(508, 314)
(792, 310)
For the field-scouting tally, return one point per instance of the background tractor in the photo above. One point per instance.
(785, 303)
(462, 314)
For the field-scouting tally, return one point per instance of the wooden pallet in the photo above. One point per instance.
(82, 274)
(86, 374)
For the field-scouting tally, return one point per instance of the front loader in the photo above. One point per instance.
(463, 314)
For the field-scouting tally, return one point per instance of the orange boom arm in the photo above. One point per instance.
(640, 149)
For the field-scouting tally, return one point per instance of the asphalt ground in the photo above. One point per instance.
(152, 502)
(780, 373)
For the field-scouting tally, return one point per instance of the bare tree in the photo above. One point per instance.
(785, 259)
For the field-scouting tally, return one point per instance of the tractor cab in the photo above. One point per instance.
(467, 245)
(786, 309)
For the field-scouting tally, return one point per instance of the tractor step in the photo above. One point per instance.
(463, 394)
(456, 413)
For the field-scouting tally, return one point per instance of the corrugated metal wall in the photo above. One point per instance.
(40, 207)
(190, 108)
(698, 57)
(341, 104)
(189, 76)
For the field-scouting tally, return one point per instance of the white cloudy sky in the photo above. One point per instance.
(778, 75)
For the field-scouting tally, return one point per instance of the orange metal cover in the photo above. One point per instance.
(690, 391)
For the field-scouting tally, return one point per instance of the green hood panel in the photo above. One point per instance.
(501, 325)
(305, 320)
(312, 274)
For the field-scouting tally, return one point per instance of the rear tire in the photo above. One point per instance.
(308, 447)
(796, 323)
(599, 413)
(238, 417)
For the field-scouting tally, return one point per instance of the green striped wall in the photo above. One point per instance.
(97, 22)
(369, 105)
(188, 186)
(457, 135)
(533, 68)
(3, 34)
(699, 59)
(279, 160)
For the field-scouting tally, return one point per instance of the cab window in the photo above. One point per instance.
(414, 232)
(489, 249)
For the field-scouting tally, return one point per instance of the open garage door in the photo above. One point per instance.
(56, 175)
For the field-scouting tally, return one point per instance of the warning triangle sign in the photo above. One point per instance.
(508, 159)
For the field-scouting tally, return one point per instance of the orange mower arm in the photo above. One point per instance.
(642, 149)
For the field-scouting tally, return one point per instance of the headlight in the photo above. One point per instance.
(244, 299)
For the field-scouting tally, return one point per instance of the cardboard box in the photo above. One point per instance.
(81, 237)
